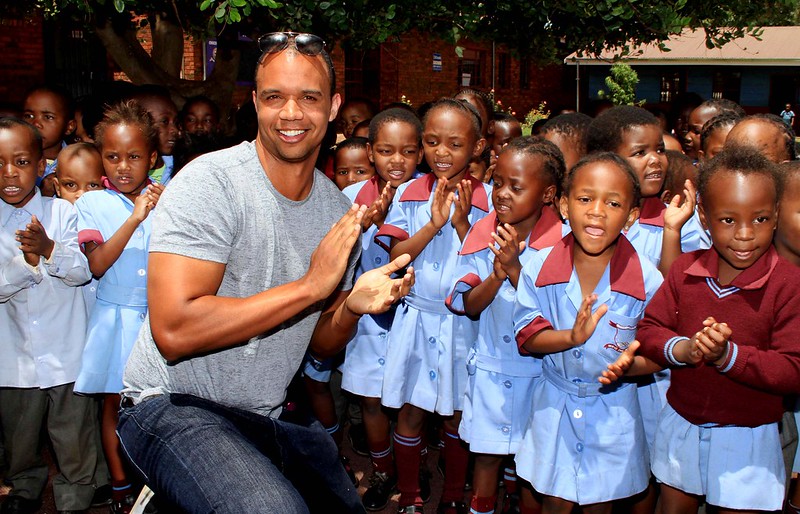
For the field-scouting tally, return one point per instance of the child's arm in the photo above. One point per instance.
(62, 260)
(440, 213)
(675, 217)
(773, 366)
(103, 256)
(463, 203)
(549, 340)
(628, 364)
(481, 296)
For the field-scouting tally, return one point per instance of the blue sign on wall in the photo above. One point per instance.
(437, 61)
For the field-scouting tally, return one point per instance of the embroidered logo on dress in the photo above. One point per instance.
(618, 346)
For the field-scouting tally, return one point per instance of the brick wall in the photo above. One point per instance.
(22, 58)
(407, 69)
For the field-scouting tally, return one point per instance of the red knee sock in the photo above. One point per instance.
(381, 455)
(120, 489)
(407, 455)
(455, 468)
(483, 504)
(510, 479)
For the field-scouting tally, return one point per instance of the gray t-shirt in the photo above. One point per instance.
(223, 208)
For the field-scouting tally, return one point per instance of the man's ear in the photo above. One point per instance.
(336, 102)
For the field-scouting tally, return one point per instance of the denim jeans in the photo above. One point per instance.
(204, 457)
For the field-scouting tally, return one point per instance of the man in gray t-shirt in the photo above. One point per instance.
(246, 274)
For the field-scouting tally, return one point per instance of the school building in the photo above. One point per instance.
(760, 73)
(418, 67)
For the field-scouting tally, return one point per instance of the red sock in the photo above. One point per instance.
(510, 479)
(455, 468)
(381, 455)
(483, 505)
(407, 455)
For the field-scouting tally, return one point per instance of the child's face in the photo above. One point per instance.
(77, 175)
(504, 132)
(787, 235)
(81, 136)
(165, 117)
(127, 159)
(643, 147)
(352, 115)
(599, 206)
(352, 165)
(478, 105)
(714, 143)
(740, 213)
(697, 119)
(395, 152)
(200, 119)
(20, 165)
(518, 190)
(45, 111)
(765, 137)
(450, 142)
(567, 145)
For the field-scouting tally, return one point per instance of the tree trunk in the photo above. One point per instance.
(124, 47)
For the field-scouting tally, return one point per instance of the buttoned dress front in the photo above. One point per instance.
(121, 304)
(427, 349)
(584, 442)
(500, 380)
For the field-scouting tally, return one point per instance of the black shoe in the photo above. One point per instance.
(124, 505)
(349, 470)
(381, 487)
(425, 485)
(357, 435)
(19, 505)
(510, 504)
(102, 496)
(410, 509)
(452, 508)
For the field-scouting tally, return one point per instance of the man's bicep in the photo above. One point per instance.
(176, 280)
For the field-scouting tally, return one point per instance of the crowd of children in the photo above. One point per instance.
(615, 323)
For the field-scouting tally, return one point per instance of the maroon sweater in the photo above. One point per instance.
(762, 308)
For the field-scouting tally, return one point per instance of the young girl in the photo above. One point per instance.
(584, 443)
(114, 229)
(394, 149)
(726, 322)
(660, 232)
(714, 134)
(500, 379)
(426, 354)
(351, 162)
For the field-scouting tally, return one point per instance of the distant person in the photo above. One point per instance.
(787, 114)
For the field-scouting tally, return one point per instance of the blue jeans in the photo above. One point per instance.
(204, 457)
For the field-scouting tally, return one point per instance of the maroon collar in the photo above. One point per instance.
(754, 277)
(546, 232)
(625, 274)
(368, 192)
(108, 185)
(652, 212)
(419, 190)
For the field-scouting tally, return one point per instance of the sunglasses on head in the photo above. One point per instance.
(274, 42)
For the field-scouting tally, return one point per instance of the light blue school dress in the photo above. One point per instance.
(647, 237)
(584, 442)
(427, 349)
(365, 355)
(500, 380)
(121, 303)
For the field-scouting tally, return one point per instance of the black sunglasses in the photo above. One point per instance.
(274, 42)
